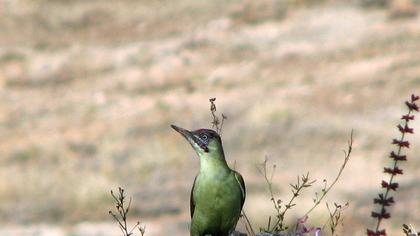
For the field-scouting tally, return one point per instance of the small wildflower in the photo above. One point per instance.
(401, 143)
(302, 229)
(398, 157)
(382, 201)
(407, 117)
(381, 215)
(393, 171)
(412, 106)
(405, 129)
(389, 186)
(376, 233)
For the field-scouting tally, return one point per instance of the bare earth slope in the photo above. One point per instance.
(88, 90)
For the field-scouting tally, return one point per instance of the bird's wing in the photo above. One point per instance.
(241, 183)
(192, 203)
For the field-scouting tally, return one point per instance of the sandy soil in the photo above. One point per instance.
(88, 90)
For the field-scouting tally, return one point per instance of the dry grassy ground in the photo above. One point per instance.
(88, 90)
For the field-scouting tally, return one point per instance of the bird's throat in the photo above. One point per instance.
(213, 164)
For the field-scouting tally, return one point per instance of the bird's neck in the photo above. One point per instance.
(213, 163)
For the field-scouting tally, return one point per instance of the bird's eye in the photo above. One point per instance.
(204, 137)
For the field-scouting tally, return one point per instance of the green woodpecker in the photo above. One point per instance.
(218, 192)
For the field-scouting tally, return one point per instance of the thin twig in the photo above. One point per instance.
(302, 182)
(326, 189)
(121, 218)
(248, 225)
(296, 189)
(216, 123)
(335, 217)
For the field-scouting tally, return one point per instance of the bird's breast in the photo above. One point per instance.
(217, 193)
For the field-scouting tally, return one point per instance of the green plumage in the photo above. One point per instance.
(216, 201)
(218, 192)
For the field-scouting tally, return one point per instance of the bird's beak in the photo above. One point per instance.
(188, 135)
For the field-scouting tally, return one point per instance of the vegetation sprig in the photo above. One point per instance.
(384, 200)
(335, 217)
(326, 189)
(410, 231)
(216, 122)
(281, 209)
(122, 212)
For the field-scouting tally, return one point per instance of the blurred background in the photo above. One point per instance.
(88, 90)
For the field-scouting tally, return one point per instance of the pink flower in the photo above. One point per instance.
(305, 230)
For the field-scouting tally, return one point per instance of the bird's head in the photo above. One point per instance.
(205, 142)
